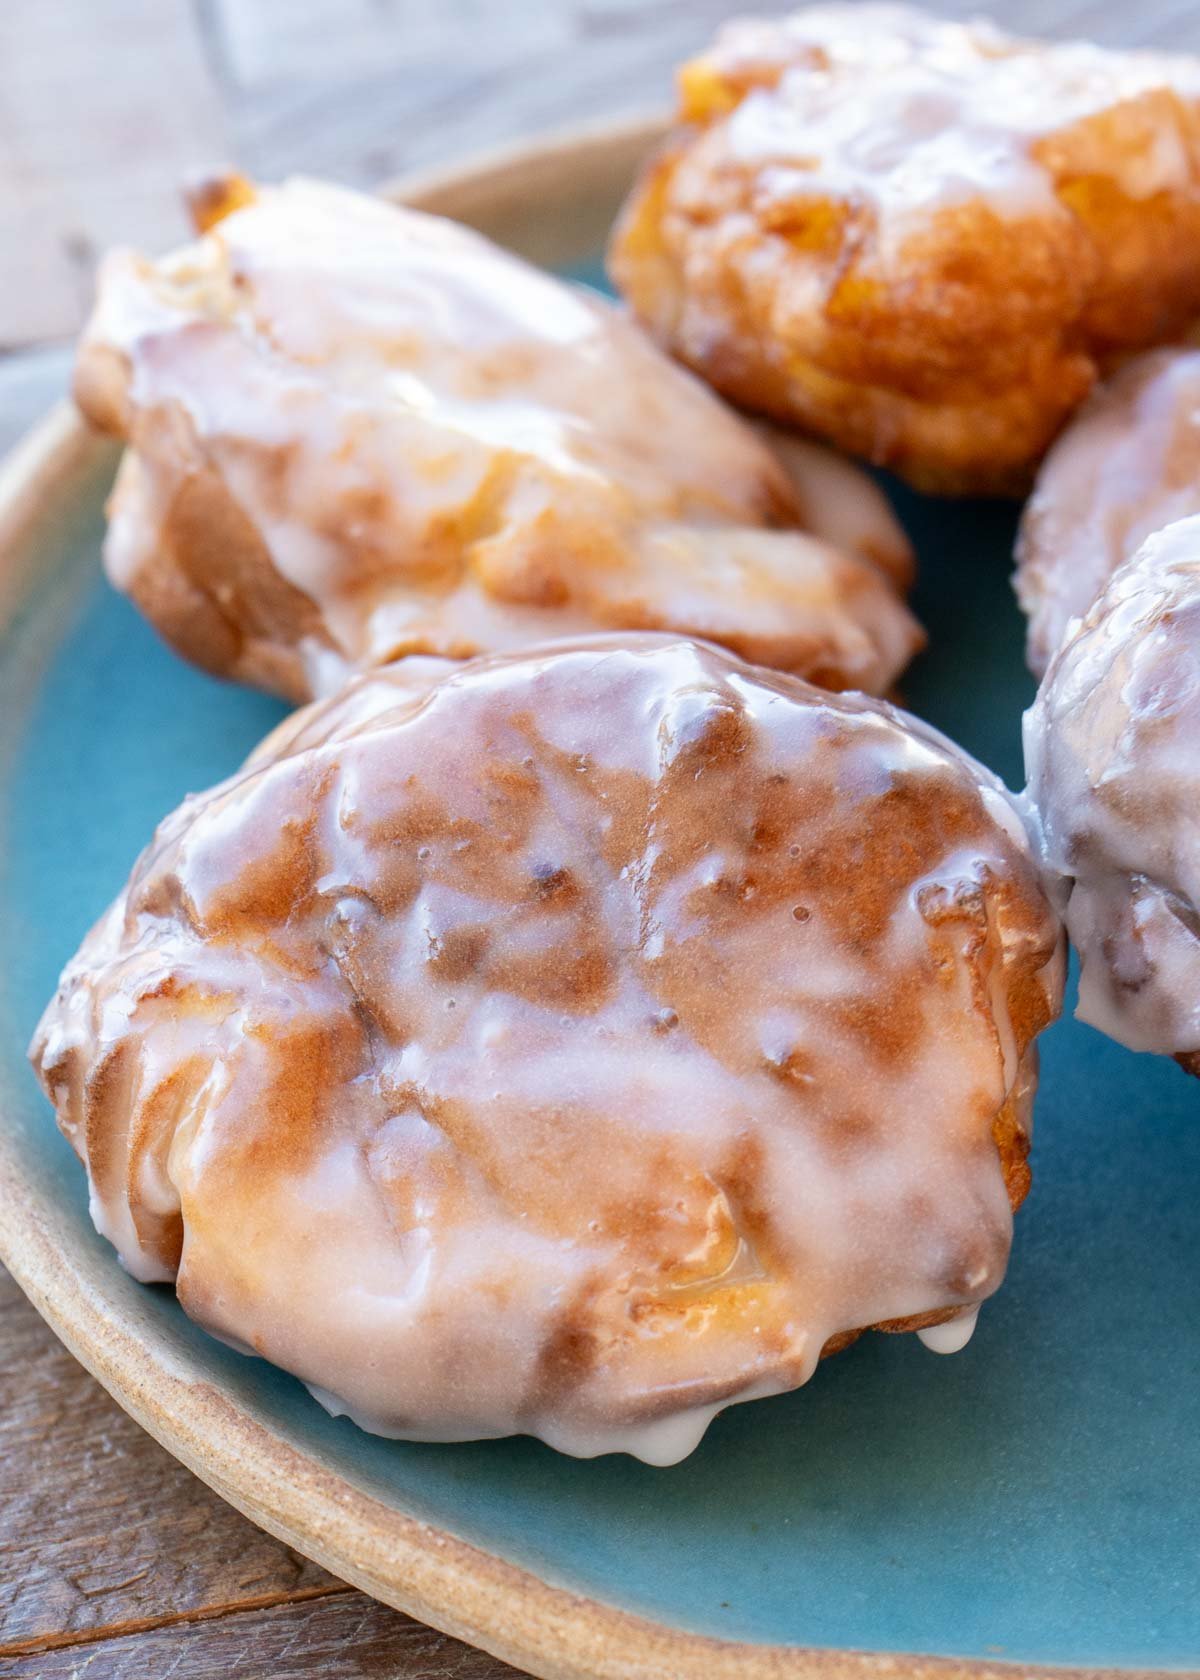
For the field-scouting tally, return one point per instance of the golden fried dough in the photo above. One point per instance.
(358, 432)
(1128, 464)
(568, 1043)
(921, 240)
(1112, 747)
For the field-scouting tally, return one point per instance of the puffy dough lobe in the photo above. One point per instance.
(1114, 780)
(358, 432)
(918, 239)
(570, 1043)
(1128, 464)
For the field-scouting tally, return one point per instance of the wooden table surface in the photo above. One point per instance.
(114, 1560)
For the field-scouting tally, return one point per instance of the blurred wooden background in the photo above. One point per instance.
(114, 1561)
(106, 106)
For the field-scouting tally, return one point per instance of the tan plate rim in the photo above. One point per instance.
(431, 1574)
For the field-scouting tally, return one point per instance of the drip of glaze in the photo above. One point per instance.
(953, 1335)
(576, 848)
(660, 1441)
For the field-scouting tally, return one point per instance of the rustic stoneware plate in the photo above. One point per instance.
(1033, 1500)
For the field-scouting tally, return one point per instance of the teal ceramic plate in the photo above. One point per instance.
(1034, 1499)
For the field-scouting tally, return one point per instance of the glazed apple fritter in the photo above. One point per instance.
(357, 432)
(1127, 465)
(921, 240)
(568, 1043)
(1114, 778)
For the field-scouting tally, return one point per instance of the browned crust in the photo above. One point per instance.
(209, 201)
(477, 576)
(956, 372)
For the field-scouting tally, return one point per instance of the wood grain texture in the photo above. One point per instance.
(102, 106)
(343, 1636)
(100, 1524)
(116, 1561)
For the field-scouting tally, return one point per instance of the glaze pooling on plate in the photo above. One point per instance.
(359, 432)
(1115, 785)
(409, 1052)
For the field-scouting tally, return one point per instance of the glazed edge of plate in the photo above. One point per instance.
(552, 201)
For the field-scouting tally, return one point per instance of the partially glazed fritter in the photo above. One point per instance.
(569, 1043)
(921, 240)
(1114, 777)
(1128, 464)
(358, 432)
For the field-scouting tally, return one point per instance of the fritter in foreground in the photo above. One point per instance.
(568, 1044)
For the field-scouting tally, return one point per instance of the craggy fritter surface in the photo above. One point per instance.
(919, 239)
(1112, 747)
(1126, 465)
(357, 432)
(568, 1043)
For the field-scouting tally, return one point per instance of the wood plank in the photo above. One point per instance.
(374, 87)
(116, 1561)
(101, 1526)
(105, 109)
(469, 86)
(266, 42)
(341, 1637)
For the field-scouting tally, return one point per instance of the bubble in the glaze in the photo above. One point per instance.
(423, 853)
(665, 1019)
(800, 912)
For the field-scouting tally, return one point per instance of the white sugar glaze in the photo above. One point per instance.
(953, 1335)
(1114, 786)
(1127, 465)
(418, 443)
(571, 1044)
(888, 105)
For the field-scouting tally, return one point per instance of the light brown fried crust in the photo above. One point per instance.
(214, 596)
(439, 993)
(324, 474)
(213, 593)
(948, 343)
(209, 201)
